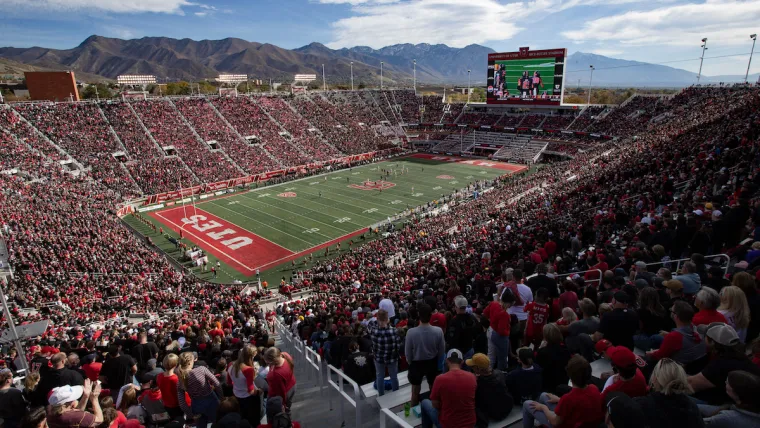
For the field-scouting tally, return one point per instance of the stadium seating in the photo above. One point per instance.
(674, 156)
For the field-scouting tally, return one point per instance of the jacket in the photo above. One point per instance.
(667, 411)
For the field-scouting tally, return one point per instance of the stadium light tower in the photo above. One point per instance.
(381, 75)
(702, 58)
(324, 82)
(754, 39)
(468, 86)
(414, 62)
(590, 77)
(352, 75)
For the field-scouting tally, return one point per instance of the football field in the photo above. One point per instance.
(515, 68)
(267, 228)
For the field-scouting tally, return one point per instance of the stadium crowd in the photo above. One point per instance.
(500, 301)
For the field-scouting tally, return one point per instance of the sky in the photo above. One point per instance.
(656, 31)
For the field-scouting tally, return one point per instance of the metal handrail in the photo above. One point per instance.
(394, 417)
(339, 387)
(678, 262)
(316, 363)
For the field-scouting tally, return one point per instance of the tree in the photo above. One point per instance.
(178, 88)
(102, 91)
(207, 88)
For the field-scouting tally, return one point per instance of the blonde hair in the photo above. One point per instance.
(669, 378)
(552, 334)
(186, 361)
(273, 355)
(128, 399)
(569, 315)
(733, 300)
(604, 308)
(245, 356)
(744, 281)
(31, 380)
(170, 361)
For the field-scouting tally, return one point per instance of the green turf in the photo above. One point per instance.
(516, 67)
(308, 220)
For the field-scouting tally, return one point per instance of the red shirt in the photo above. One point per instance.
(439, 320)
(92, 370)
(168, 387)
(579, 407)
(281, 379)
(501, 323)
(705, 317)
(538, 314)
(636, 387)
(455, 390)
(492, 309)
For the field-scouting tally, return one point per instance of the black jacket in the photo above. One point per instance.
(666, 411)
(492, 399)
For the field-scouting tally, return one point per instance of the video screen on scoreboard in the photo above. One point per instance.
(526, 77)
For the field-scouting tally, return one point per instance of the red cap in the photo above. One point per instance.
(48, 350)
(602, 346)
(621, 356)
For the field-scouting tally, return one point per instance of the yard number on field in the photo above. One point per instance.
(417, 195)
(453, 182)
(312, 230)
(263, 195)
(437, 188)
(396, 202)
(370, 211)
(342, 220)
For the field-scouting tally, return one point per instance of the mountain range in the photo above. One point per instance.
(186, 59)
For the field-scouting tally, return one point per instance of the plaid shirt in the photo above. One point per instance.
(386, 343)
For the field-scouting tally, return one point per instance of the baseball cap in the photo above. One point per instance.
(673, 284)
(621, 297)
(460, 302)
(146, 377)
(479, 360)
(602, 345)
(454, 355)
(720, 333)
(621, 356)
(623, 411)
(65, 394)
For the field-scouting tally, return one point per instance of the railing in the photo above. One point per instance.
(679, 261)
(598, 281)
(387, 413)
(315, 364)
(354, 401)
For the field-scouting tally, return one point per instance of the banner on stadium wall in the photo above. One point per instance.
(127, 209)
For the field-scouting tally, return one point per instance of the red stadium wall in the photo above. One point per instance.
(52, 85)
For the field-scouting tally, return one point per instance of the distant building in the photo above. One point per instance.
(52, 85)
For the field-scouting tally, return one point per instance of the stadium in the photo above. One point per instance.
(239, 259)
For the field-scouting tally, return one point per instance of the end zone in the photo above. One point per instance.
(485, 163)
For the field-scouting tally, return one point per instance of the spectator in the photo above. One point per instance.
(35, 418)
(492, 399)
(623, 412)
(553, 358)
(240, 374)
(359, 366)
(229, 414)
(537, 317)
(501, 323)
(734, 307)
(582, 406)
(144, 351)
(525, 382)
(620, 325)
(118, 370)
(674, 290)
(386, 344)
(277, 415)
(460, 333)
(744, 390)
(689, 278)
(67, 404)
(12, 404)
(627, 378)
(683, 344)
(452, 399)
(541, 280)
(668, 403)
(58, 375)
(726, 355)
(201, 386)
(707, 301)
(590, 322)
(281, 378)
(424, 347)
(746, 282)
(652, 319)
(167, 384)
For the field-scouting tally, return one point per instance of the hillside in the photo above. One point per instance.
(186, 59)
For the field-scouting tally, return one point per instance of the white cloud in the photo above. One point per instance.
(723, 22)
(457, 23)
(607, 52)
(201, 14)
(116, 6)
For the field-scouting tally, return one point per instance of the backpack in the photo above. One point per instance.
(155, 412)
